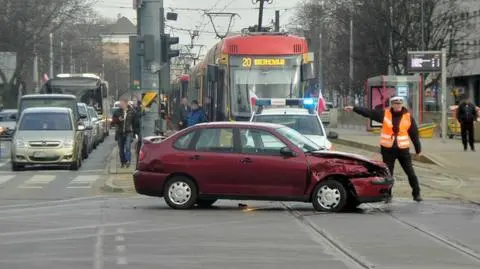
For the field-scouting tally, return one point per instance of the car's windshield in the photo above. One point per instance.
(304, 124)
(82, 109)
(46, 121)
(298, 139)
(8, 116)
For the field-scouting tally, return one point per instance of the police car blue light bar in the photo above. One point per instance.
(302, 102)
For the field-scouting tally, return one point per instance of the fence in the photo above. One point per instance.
(351, 120)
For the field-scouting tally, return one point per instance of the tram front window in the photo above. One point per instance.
(280, 81)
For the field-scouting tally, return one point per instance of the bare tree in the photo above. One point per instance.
(386, 29)
(27, 23)
(117, 74)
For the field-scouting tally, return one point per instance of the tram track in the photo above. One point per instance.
(443, 240)
(323, 238)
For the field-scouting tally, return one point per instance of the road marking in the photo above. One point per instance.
(2, 164)
(83, 182)
(5, 179)
(121, 261)
(98, 254)
(37, 182)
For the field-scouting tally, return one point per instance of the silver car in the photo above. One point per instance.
(47, 136)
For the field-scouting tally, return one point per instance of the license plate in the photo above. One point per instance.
(39, 155)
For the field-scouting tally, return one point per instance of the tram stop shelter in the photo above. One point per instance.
(379, 90)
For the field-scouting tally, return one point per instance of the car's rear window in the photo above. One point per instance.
(304, 124)
(46, 121)
(49, 102)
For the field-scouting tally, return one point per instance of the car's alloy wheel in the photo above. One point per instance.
(180, 193)
(329, 196)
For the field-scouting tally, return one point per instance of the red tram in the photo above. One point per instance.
(258, 65)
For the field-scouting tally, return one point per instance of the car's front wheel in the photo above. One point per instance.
(180, 193)
(329, 196)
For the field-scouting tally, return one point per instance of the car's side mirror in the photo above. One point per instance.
(81, 127)
(83, 116)
(287, 152)
(332, 135)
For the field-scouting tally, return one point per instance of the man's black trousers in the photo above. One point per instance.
(405, 159)
(467, 135)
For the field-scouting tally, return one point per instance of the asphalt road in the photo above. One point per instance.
(140, 232)
(53, 183)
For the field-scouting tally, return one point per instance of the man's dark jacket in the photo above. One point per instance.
(129, 124)
(467, 113)
(379, 114)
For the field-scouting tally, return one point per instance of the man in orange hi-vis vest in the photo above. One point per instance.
(398, 128)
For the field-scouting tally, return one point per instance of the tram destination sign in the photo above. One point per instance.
(424, 61)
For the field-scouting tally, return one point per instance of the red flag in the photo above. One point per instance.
(321, 103)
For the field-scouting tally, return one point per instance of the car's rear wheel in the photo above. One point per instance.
(180, 193)
(329, 196)
(204, 202)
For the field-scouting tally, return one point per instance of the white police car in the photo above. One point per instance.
(298, 114)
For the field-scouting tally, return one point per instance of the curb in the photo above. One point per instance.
(110, 186)
(345, 142)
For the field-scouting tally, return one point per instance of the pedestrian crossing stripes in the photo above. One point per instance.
(83, 182)
(42, 181)
(37, 182)
(5, 179)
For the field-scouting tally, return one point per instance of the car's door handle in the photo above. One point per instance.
(195, 157)
(246, 160)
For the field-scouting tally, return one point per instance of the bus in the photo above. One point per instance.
(250, 65)
(88, 88)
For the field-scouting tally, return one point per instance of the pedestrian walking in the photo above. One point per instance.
(196, 115)
(125, 119)
(466, 115)
(183, 111)
(398, 128)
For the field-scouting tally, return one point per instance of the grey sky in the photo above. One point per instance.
(193, 19)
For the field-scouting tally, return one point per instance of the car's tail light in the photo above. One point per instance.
(141, 155)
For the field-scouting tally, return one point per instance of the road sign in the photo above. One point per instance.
(424, 61)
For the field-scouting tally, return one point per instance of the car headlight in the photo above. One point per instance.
(20, 143)
(68, 143)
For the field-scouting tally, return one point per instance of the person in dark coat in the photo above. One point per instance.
(125, 118)
(197, 114)
(466, 115)
(398, 128)
(183, 112)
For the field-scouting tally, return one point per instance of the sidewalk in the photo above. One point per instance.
(449, 155)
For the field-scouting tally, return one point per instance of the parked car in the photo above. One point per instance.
(48, 136)
(8, 121)
(88, 138)
(255, 161)
(98, 133)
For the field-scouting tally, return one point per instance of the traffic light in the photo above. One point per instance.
(166, 52)
(146, 47)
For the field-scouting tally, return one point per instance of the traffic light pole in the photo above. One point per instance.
(149, 39)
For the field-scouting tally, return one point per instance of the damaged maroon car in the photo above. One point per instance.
(255, 161)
